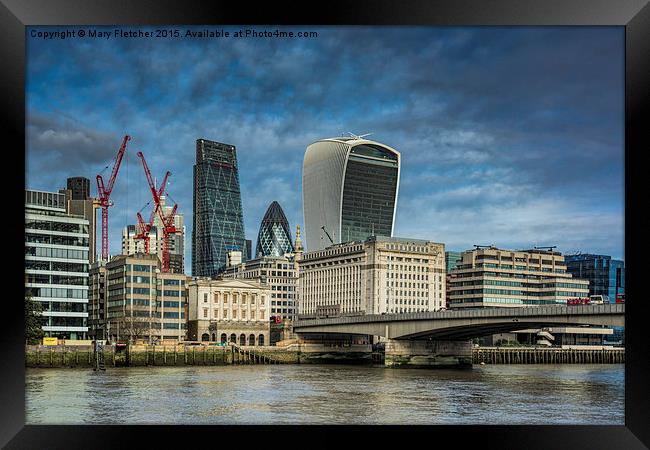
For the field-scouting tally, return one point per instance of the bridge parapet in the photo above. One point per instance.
(515, 312)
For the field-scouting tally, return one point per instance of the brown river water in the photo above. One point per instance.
(327, 394)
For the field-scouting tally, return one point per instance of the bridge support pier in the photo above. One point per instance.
(428, 354)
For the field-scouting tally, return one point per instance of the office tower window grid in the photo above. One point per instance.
(274, 237)
(218, 219)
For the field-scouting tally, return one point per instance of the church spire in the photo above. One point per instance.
(298, 244)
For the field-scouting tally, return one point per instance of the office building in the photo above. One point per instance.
(606, 278)
(141, 303)
(274, 237)
(132, 246)
(80, 203)
(79, 187)
(228, 310)
(97, 301)
(349, 191)
(375, 276)
(249, 249)
(606, 275)
(218, 224)
(493, 277)
(279, 273)
(56, 263)
(451, 260)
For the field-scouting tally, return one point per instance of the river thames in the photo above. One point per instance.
(328, 394)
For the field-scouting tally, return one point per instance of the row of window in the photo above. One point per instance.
(509, 266)
(64, 306)
(283, 288)
(519, 284)
(55, 279)
(226, 296)
(282, 310)
(511, 301)
(56, 292)
(521, 293)
(456, 276)
(64, 227)
(58, 321)
(393, 293)
(403, 276)
(226, 314)
(63, 253)
(56, 240)
(409, 285)
(408, 248)
(281, 303)
(56, 266)
(404, 268)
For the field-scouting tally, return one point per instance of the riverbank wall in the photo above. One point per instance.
(193, 355)
(212, 355)
(547, 355)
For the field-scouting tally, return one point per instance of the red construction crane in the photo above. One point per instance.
(166, 220)
(168, 230)
(145, 228)
(104, 194)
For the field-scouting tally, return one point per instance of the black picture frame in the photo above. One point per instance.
(634, 15)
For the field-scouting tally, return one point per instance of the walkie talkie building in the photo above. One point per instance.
(218, 225)
(349, 190)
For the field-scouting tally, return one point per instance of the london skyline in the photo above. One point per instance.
(509, 136)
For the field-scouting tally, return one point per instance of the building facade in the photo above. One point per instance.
(141, 303)
(57, 264)
(349, 189)
(280, 274)
(606, 275)
(80, 203)
(229, 310)
(218, 224)
(97, 301)
(375, 276)
(493, 277)
(274, 237)
(79, 187)
(132, 246)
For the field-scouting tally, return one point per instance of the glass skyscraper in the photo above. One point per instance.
(349, 188)
(606, 275)
(274, 237)
(218, 225)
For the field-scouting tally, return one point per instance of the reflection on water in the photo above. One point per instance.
(257, 394)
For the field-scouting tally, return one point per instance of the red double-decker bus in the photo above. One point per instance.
(579, 301)
(620, 298)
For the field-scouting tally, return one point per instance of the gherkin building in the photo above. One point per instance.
(274, 238)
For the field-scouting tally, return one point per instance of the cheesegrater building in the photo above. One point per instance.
(218, 225)
(349, 188)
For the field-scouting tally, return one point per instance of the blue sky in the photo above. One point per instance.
(509, 136)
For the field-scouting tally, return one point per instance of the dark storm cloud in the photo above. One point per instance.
(485, 119)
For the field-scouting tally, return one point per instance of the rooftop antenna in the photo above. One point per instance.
(359, 137)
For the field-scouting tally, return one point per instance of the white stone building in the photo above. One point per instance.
(229, 310)
(376, 276)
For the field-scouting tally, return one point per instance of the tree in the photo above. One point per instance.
(33, 327)
(135, 327)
